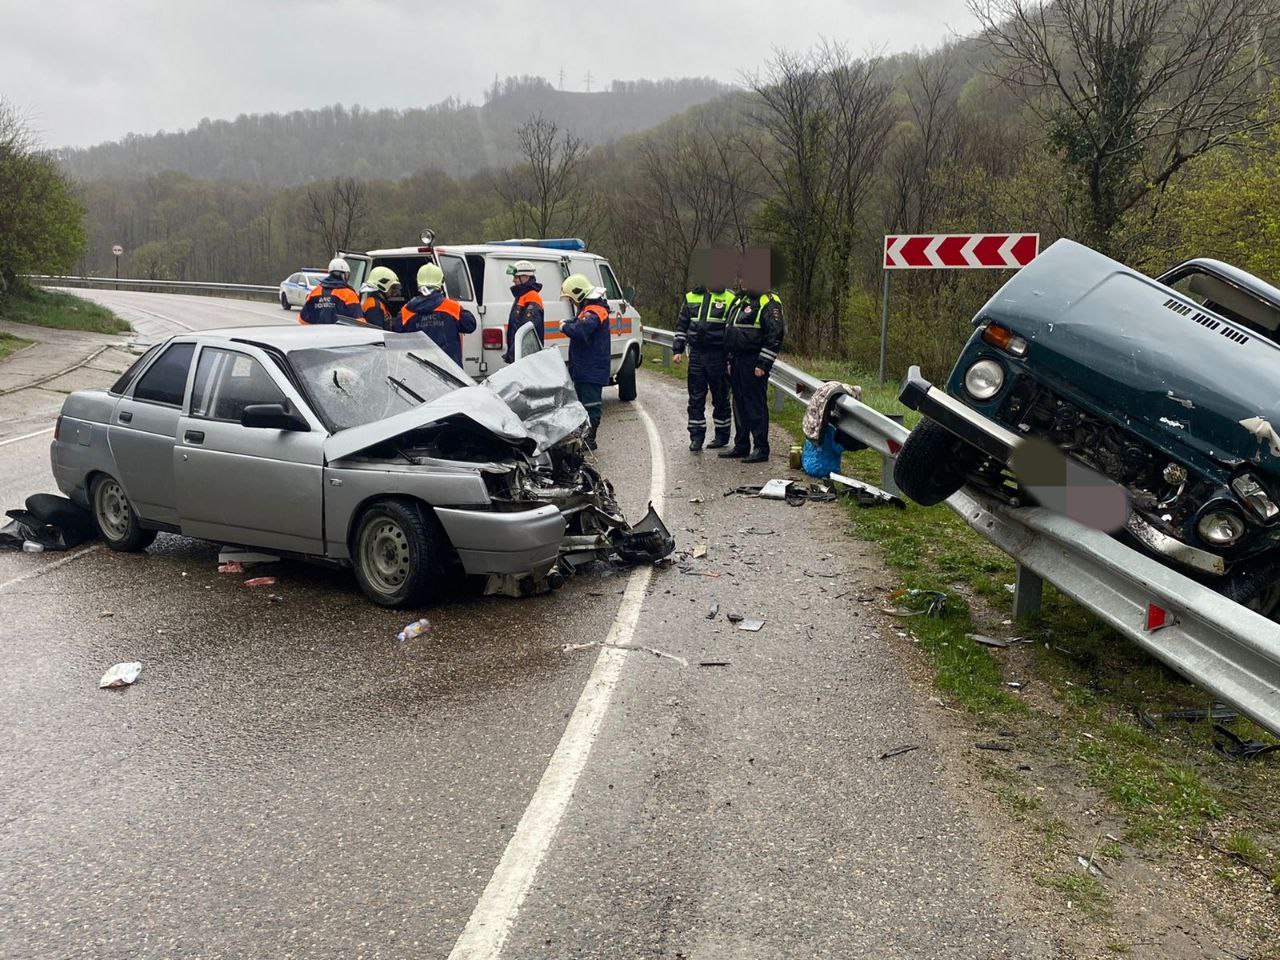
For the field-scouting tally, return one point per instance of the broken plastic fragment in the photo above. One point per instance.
(261, 582)
(775, 490)
(415, 629)
(231, 567)
(751, 624)
(120, 675)
(1261, 428)
(699, 551)
(899, 751)
(986, 641)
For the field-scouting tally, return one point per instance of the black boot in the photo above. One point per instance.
(758, 456)
(695, 444)
(732, 453)
(591, 438)
(717, 443)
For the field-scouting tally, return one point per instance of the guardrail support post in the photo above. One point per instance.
(1027, 591)
(779, 400)
(666, 356)
(886, 464)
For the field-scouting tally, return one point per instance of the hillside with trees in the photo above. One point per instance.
(1147, 128)
(336, 141)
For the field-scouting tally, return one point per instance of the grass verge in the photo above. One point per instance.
(60, 311)
(10, 344)
(1087, 696)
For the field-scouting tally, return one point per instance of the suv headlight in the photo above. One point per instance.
(1221, 527)
(984, 379)
(1255, 496)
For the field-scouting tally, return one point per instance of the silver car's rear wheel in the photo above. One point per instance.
(115, 519)
(399, 553)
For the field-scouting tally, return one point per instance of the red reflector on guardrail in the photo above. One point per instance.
(1157, 618)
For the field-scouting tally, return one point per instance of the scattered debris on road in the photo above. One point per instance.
(987, 641)
(120, 675)
(699, 551)
(714, 609)
(1219, 713)
(261, 582)
(751, 624)
(231, 567)
(713, 663)
(1233, 747)
(865, 494)
(572, 647)
(935, 602)
(734, 617)
(415, 629)
(49, 522)
(899, 751)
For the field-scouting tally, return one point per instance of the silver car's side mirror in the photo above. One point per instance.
(273, 416)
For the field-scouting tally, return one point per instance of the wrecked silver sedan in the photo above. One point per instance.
(354, 446)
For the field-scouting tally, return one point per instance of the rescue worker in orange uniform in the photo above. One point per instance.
(332, 299)
(440, 318)
(527, 307)
(588, 334)
(383, 284)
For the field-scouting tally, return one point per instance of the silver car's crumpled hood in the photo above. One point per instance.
(474, 403)
(538, 388)
(531, 404)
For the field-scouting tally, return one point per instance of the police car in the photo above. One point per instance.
(476, 276)
(294, 289)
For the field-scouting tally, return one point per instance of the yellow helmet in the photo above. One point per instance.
(430, 276)
(383, 278)
(577, 288)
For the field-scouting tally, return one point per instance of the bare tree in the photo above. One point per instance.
(933, 138)
(547, 189)
(337, 211)
(1134, 89)
(825, 118)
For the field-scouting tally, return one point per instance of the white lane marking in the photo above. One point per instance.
(491, 921)
(48, 567)
(26, 436)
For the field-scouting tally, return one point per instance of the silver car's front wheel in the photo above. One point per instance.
(399, 553)
(115, 518)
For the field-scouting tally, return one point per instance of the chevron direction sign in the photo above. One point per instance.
(960, 251)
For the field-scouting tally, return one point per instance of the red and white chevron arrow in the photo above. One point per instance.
(960, 251)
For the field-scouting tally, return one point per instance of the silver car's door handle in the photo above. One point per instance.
(125, 416)
(194, 436)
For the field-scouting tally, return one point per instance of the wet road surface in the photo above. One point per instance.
(288, 780)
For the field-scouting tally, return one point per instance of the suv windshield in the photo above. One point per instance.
(1227, 298)
(364, 383)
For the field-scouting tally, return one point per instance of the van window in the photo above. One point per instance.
(166, 380)
(498, 282)
(588, 268)
(457, 281)
(609, 282)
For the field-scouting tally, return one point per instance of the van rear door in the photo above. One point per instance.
(497, 298)
(359, 264)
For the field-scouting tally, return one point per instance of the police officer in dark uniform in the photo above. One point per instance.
(753, 337)
(701, 328)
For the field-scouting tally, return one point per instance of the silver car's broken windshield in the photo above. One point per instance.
(363, 383)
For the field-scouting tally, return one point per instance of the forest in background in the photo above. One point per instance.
(1146, 128)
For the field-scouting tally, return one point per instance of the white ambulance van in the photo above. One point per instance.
(475, 274)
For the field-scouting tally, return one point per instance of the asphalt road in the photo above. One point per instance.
(288, 780)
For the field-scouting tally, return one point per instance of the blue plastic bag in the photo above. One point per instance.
(822, 460)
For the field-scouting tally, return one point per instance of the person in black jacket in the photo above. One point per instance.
(701, 329)
(527, 307)
(753, 338)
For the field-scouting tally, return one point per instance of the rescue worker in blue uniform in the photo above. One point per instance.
(332, 298)
(381, 287)
(700, 328)
(440, 318)
(588, 334)
(527, 307)
(753, 337)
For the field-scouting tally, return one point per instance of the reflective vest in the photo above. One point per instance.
(754, 319)
(709, 308)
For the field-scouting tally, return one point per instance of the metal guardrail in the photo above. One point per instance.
(1227, 649)
(161, 286)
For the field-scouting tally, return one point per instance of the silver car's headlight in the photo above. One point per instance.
(1221, 527)
(1255, 496)
(984, 379)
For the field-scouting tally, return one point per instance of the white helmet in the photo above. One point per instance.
(522, 268)
(338, 265)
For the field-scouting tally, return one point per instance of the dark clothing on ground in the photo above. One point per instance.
(330, 300)
(527, 308)
(441, 319)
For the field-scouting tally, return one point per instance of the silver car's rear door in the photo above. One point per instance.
(142, 432)
(248, 485)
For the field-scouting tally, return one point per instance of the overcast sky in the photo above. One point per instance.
(84, 71)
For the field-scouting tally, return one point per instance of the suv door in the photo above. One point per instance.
(247, 485)
(626, 320)
(143, 427)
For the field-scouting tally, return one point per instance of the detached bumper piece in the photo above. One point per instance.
(969, 425)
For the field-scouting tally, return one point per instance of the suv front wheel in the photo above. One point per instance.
(932, 463)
